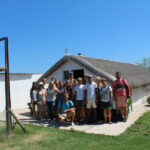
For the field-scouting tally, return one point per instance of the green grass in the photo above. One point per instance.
(137, 137)
(2, 127)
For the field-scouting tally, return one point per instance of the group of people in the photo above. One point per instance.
(80, 101)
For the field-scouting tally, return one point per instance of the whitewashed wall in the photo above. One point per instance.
(20, 85)
(68, 66)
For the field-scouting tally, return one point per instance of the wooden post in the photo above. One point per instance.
(18, 121)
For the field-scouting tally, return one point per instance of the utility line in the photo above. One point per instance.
(30, 51)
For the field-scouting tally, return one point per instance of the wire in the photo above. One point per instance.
(32, 52)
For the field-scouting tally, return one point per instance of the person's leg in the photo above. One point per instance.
(34, 113)
(89, 113)
(38, 113)
(83, 113)
(109, 113)
(48, 109)
(80, 114)
(125, 107)
(126, 111)
(105, 115)
(89, 105)
(122, 112)
(95, 114)
(73, 113)
(42, 114)
(94, 106)
(53, 109)
(61, 118)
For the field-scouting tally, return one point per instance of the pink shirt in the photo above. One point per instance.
(119, 88)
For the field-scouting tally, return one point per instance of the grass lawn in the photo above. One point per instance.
(136, 137)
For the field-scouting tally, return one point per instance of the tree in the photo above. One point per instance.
(145, 62)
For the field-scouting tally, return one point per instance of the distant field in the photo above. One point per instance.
(137, 137)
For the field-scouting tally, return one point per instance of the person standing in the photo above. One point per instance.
(120, 87)
(80, 100)
(99, 108)
(106, 99)
(33, 96)
(91, 97)
(41, 101)
(51, 99)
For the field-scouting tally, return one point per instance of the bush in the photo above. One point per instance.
(148, 99)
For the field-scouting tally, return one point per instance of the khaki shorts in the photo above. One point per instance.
(66, 115)
(91, 103)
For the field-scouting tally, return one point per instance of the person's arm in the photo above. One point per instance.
(85, 96)
(96, 96)
(31, 96)
(114, 91)
(75, 95)
(72, 107)
(46, 94)
(127, 87)
(58, 111)
(59, 108)
(111, 96)
(57, 90)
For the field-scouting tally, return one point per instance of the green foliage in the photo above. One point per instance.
(136, 138)
(145, 62)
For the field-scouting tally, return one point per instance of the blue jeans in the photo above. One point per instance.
(51, 109)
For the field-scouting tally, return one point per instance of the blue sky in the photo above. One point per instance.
(39, 31)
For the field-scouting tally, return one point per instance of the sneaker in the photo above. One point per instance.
(72, 123)
(125, 120)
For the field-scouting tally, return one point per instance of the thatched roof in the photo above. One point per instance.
(136, 75)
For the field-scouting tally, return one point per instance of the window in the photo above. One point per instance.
(66, 75)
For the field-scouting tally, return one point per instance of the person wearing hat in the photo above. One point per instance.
(91, 102)
(86, 78)
(41, 101)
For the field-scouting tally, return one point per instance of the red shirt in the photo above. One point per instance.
(119, 88)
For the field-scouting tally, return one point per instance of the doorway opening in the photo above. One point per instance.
(78, 73)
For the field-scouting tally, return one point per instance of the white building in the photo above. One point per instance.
(136, 75)
(20, 85)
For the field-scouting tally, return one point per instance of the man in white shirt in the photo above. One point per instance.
(45, 84)
(80, 99)
(91, 97)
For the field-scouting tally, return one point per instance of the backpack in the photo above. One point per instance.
(129, 90)
(63, 101)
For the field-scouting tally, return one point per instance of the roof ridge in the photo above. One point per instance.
(103, 59)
